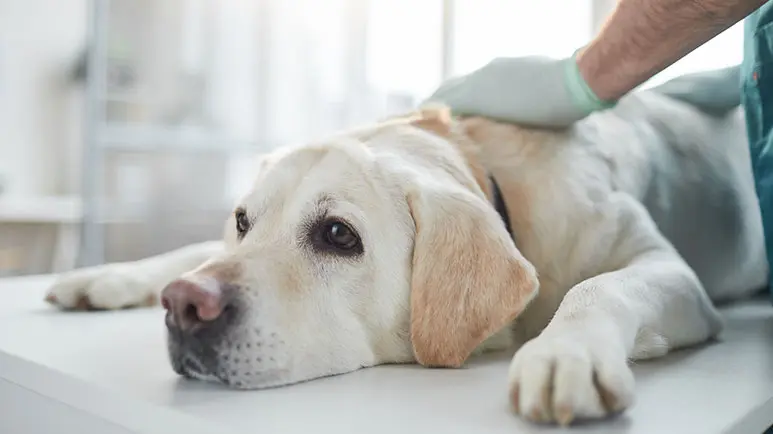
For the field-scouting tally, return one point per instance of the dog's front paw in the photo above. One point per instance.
(565, 378)
(104, 287)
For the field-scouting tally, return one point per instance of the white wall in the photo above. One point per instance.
(40, 119)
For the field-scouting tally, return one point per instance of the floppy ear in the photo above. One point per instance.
(469, 281)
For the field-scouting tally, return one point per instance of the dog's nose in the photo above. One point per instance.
(190, 304)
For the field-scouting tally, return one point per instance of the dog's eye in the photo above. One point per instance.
(340, 236)
(335, 236)
(242, 222)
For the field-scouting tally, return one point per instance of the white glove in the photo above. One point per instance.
(534, 90)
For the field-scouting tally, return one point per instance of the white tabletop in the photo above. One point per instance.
(721, 387)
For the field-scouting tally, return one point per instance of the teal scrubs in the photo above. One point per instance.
(757, 98)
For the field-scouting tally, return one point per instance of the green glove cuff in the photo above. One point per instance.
(581, 94)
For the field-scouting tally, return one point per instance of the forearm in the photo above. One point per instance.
(641, 285)
(638, 306)
(643, 37)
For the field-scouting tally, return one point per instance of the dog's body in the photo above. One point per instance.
(608, 214)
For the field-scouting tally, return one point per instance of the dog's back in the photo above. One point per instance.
(692, 171)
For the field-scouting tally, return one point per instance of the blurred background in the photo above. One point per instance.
(126, 126)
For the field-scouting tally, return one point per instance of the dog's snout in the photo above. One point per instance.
(192, 305)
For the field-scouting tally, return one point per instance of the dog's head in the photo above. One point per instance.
(376, 247)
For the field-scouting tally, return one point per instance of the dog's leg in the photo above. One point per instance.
(127, 284)
(645, 301)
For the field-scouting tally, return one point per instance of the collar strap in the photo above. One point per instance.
(499, 205)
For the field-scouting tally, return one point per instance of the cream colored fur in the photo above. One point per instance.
(625, 226)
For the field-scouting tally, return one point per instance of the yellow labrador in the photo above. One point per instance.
(391, 244)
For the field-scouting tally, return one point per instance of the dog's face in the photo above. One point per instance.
(373, 248)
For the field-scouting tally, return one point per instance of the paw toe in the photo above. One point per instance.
(563, 382)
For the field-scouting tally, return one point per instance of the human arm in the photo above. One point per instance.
(643, 37)
(640, 38)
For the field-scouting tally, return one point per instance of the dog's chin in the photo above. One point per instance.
(188, 367)
(250, 380)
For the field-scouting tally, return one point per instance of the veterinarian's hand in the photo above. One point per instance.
(535, 91)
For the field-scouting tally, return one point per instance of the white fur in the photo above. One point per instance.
(207, 283)
(625, 242)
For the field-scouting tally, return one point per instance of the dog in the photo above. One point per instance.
(428, 238)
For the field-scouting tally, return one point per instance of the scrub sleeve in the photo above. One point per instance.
(757, 99)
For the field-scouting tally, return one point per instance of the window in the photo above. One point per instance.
(485, 29)
(404, 46)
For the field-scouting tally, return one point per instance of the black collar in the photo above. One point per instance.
(499, 205)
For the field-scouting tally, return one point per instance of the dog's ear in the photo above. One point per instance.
(469, 280)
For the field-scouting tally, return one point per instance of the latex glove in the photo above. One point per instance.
(536, 91)
(716, 91)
